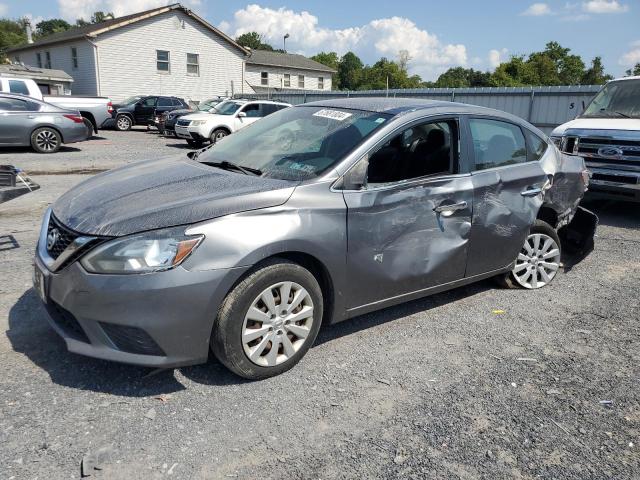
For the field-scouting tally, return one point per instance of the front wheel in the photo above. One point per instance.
(46, 140)
(268, 321)
(218, 135)
(539, 260)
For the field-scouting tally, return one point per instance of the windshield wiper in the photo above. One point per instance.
(232, 166)
(616, 112)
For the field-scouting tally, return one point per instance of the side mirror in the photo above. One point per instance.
(356, 178)
(242, 114)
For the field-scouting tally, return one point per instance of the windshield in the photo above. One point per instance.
(227, 108)
(131, 100)
(296, 143)
(616, 100)
(208, 105)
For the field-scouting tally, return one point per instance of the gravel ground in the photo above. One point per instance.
(478, 382)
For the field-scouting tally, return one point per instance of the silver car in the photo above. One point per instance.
(313, 215)
(26, 121)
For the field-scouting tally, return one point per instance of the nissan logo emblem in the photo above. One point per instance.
(610, 152)
(52, 238)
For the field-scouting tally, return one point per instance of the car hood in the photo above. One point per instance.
(198, 116)
(163, 193)
(180, 112)
(599, 124)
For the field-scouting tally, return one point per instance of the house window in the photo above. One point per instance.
(39, 59)
(300, 81)
(264, 78)
(320, 83)
(193, 64)
(162, 60)
(47, 56)
(74, 57)
(287, 80)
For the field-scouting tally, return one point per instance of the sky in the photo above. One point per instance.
(437, 34)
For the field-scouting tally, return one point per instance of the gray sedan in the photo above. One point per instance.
(313, 215)
(26, 121)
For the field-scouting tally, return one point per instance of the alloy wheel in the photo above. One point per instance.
(47, 140)
(277, 324)
(538, 261)
(123, 123)
(219, 136)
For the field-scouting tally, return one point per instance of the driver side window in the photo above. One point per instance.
(252, 110)
(422, 150)
(149, 102)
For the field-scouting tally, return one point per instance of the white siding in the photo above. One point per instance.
(127, 60)
(276, 77)
(84, 77)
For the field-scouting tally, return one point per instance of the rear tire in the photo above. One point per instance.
(123, 123)
(257, 339)
(46, 140)
(538, 262)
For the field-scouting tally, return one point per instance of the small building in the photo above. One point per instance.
(164, 51)
(267, 70)
(51, 82)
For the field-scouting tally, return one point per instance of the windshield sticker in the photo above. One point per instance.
(380, 120)
(332, 114)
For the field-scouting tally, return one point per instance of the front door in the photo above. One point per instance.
(507, 194)
(250, 113)
(408, 227)
(17, 119)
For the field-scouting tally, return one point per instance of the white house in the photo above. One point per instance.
(168, 50)
(268, 70)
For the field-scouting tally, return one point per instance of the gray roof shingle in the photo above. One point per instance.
(287, 60)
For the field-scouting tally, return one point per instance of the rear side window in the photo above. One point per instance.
(149, 102)
(496, 143)
(18, 86)
(165, 102)
(535, 146)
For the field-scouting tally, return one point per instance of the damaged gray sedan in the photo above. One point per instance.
(313, 215)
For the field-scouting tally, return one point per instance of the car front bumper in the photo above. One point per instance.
(614, 184)
(161, 319)
(183, 132)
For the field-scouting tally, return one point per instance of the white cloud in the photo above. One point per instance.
(537, 10)
(382, 37)
(496, 57)
(604, 6)
(71, 10)
(4, 8)
(632, 57)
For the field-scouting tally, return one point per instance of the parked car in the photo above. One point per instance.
(26, 121)
(166, 122)
(140, 110)
(607, 135)
(229, 117)
(316, 214)
(95, 110)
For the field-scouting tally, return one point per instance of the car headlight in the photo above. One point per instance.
(197, 123)
(144, 253)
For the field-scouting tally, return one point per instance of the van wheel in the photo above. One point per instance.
(46, 140)
(268, 321)
(123, 123)
(538, 262)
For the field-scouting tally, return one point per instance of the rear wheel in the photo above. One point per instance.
(218, 134)
(538, 262)
(123, 123)
(269, 321)
(46, 140)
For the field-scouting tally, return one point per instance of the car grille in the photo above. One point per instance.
(132, 339)
(62, 235)
(183, 123)
(604, 151)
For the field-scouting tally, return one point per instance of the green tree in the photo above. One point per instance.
(100, 16)
(349, 72)
(329, 59)
(595, 75)
(376, 76)
(51, 26)
(12, 33)
(633, 71)
(460, 77)
(254, 41)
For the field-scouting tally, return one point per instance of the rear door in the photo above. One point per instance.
(144, 109)
(164, 104)
(408, 227)
(507, 193)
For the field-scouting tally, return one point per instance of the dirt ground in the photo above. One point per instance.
(478, 382)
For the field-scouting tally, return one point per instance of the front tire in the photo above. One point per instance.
(123, 123)
(218, 134)
(268, 321)
(46, 140)
(538, 262)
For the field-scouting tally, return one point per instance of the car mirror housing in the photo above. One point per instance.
(356, 177)
(242, 114)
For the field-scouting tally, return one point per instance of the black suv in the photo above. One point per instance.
(139, 110)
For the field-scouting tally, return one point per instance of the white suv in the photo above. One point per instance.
(228, 117)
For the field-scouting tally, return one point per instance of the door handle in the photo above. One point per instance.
(531, 192)
(446, 210)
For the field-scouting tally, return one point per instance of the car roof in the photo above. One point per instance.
(20, 96)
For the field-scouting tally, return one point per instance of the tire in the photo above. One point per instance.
(46, 140)
(123, 123)
(218, 134)
(89, 125)
(529, 272)
(239, 332)
(195, 143)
